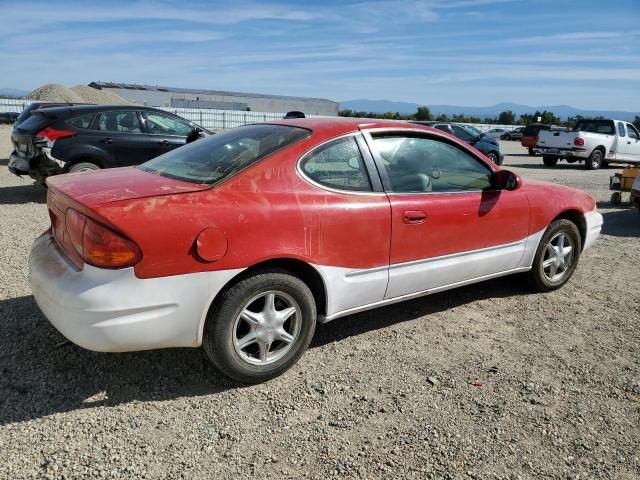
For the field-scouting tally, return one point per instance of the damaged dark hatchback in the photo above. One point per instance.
(90, 137)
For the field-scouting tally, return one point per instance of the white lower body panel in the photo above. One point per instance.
(113, 310)
(594, 226)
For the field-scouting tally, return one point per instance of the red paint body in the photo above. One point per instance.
(269, 211)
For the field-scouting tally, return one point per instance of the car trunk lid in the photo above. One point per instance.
(116, 184)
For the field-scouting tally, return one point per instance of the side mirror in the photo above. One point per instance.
(507, 180)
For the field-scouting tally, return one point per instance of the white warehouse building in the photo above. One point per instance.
(155, 96)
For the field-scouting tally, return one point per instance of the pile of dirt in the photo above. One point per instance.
(54, 92)
(101, 97)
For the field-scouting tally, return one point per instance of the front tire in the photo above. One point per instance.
(260, 327)
(594, 162)
(557, 256)
(549, 160)
(531, 152)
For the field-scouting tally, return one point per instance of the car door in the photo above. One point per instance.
(449, 224)
(119, 134)
(166, 131)
(632, 149)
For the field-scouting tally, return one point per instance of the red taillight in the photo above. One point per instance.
(578, 142)
(99, 246)
(50, 134)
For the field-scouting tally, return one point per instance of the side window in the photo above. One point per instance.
(418, 165)
(160, 124)
(621, 130)
(81, 122)
(122, 122)
(444, 128)
(633, 133)
(338, 164)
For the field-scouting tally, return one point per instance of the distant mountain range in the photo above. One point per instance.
(492, 111)
(13, 92)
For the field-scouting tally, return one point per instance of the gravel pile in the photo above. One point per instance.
(79, 94)
(484, 382)
(101, 97)
(54, 92)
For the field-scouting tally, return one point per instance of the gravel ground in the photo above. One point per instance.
(486, 381)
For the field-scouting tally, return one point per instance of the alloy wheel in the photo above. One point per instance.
(558, 257)
(267, 327)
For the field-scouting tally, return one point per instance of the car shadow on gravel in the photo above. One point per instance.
(413, 309)
(42, 374)
(19, 194)
(624, 222)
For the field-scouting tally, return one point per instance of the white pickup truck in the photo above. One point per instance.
(594, 142)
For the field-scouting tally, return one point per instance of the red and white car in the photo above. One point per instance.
(240, 242)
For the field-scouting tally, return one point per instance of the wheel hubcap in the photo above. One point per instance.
(266, 328)
(558, 257)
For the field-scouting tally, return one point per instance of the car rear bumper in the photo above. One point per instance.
(564, 152)
(18, 165)
(594, 222)
(113, 310)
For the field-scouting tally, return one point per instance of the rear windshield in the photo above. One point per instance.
(531, 130)
(212, 159)
(25, 113)
(605, 127)
(33, 124)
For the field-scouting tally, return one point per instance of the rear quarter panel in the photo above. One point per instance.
(268, 211)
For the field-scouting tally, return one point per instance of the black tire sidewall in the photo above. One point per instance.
(218, 331)
(536, 274)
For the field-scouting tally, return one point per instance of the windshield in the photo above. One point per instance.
(212, 159)
(595, 126)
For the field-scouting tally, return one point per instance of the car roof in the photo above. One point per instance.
(97, 108)
(344, 125)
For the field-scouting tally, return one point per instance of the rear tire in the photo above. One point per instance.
(553, 265)
(241, 337)
(531, 151)
(549, 160)
(594, 162)
(83, 167)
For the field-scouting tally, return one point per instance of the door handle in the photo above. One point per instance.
(414, 217)
(164, 142)
(107, 140)
(629, 142)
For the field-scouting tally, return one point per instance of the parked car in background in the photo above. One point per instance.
(529, 137)
(241, 241)
(8, 117)
(471, 135)
(515, 134)
(594, 142)
(495, 133)
(90, 137)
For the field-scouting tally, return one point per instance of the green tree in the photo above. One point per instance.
(423, 114)
(507, 118)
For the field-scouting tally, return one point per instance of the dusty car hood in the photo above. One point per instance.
(116, 184)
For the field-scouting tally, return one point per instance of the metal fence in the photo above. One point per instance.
(220, 119)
